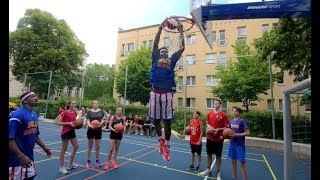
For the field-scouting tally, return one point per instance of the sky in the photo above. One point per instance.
(96, 22)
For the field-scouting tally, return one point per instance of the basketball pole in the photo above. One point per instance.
(185, 100)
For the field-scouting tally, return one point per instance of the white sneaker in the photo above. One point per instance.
(218, 176)
(205, 172)
(73, 166)
(63, 170)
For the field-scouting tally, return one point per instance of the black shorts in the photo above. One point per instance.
(68, 135)
(96, 134)
(214, 147)
(196, 148)
(114, 135)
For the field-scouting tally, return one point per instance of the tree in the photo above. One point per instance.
(138, 83)
(291, 42)
(99, 81)
(244, 80)
(42, 43)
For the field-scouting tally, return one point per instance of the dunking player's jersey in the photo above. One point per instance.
(162, 72)
(23, 127)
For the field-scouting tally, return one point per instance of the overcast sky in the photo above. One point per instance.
(96, 22)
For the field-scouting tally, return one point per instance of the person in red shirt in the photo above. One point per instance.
(66, 120)
(196, 127)
(216, 121)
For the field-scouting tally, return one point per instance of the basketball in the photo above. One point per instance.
(227, 132)
(95, 122)
(172, 23)
(119, 128)
(78, 124)
(187, 130)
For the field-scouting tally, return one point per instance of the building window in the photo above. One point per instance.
(224, 106)
(210, 103)
(130, 47)
(265, 28)
(308, 107)
(123, 50)
(144, 44)
(166, 41)
(191, 103)
(242, 31)
(223, 59)
(222, 41)
(211, 81)
(269, 104)
(180, 103)
(191, 81)
(191, 39)
(180, 84)
(242, 40)
(214, 36)
(151, 43)
(280, 105)
(280, 77)
(275, 24)
(180, 63)
(191, 59)
(211, 58)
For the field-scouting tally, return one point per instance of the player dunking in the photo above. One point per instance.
(163, 87)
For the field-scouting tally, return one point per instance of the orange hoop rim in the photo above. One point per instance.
(187, 20)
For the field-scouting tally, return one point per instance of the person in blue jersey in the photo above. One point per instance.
(23, 134)
(163, 88)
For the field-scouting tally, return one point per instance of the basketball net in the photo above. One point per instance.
(172, 34)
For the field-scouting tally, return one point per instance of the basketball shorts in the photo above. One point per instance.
(161, 106)
(96, 134)
(237, 152)
(68, 135)
(196, 148)
(214, 147)
(19, 172)
(114, 135)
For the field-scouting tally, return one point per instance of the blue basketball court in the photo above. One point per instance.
(139, 158)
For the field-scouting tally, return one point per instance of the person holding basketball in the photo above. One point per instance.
(196, 127)
(115, 138)
(23, 135)
(94, 132)
(66, 120)
(163, 88)
(216, 121)
(237, 147)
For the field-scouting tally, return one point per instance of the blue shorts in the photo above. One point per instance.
(237, 152)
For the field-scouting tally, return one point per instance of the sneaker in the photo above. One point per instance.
(107, 166)
(166, 151)
(63, 170)
(98, 164)
(206, 172)
(190, 168)
(218, 176)
(115, 165)
(88, 164)
(197, 169)
(141, 134)
(73, 166)
(161, 144)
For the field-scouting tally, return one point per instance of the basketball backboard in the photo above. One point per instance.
(204, 26)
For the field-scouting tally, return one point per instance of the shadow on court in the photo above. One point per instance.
(139, 158)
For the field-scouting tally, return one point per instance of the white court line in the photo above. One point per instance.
(214, 161)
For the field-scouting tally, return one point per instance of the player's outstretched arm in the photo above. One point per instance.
(156, 40)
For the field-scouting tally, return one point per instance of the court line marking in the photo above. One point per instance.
(269, 167)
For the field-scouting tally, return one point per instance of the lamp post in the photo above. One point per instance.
(271, 91)
(125, 91)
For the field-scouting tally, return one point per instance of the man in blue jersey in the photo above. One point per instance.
(163, 87)
(23, 134)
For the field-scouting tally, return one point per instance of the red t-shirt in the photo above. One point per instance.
(68, 116)
(217, 120)
(195, 131)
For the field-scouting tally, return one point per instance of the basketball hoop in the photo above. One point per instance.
(173, 26)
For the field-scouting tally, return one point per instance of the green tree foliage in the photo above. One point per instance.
(42, 43)
(138, 83)
(244, 80)
(99, 80)
(291, 42)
